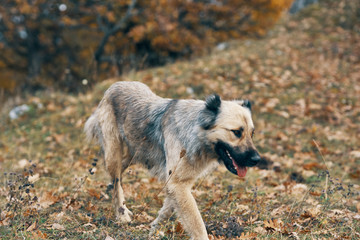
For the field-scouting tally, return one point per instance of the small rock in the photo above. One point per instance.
(355, 154)
(222, 46)
(57, 226)
(18, 111)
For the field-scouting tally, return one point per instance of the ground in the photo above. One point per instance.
(303, 79)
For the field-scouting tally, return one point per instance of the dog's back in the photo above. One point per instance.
(114, 104)
(130, 115)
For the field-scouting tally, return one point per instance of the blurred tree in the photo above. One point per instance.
(300, 4)
(159, 31)
(37, 40)
(58, 43)
(109, 28)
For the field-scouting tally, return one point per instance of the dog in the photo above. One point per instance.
(176, 140)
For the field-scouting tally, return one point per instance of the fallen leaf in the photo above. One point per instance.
(5, 222)
(32, 227)
(34, 178)
(57, 216)
(282, 136)
(91, 207)
(355, 154)
(47, 200)
(23, 163)
(39, 235)
(179, 228)
(57, 226)
(274, 225)
(260, 230)
(252, 219)
(144, 217)
(90, 225)
(59, 138)
(299, 189)
(51, 107)
(315, 193)
(337, 212)
(68, 111)
(247, 235)
(313, 166)
(283, 114)
(242, 208)
(73, 204)
(312, 212)
(295, 235)
(92, 192)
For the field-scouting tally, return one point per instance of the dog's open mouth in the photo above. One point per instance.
(240, 170)
(235, 160)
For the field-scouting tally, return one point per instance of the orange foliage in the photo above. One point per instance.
(59, 46)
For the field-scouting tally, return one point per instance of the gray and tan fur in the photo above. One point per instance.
(177, 140)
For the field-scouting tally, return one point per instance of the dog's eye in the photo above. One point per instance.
(252, 133)
(238, 133)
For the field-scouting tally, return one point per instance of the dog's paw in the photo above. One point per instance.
(123, 218)
(123, 215)
(154, 226)
(155, 233)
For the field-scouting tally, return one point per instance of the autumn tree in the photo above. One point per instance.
(52, 43)
(41, 39)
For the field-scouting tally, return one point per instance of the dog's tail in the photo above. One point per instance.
(92, 128)
(101, 127)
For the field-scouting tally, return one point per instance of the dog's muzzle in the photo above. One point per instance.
(237, 161)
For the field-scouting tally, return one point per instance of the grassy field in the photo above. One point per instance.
(304, 81)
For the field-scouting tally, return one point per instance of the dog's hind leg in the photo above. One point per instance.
(115, 169)
(115, 155)
(164, 213)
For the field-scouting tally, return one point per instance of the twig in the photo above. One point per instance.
(328, 171)
(293, 205)
(326, 182)
(118, 26)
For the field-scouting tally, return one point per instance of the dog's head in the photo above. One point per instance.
(230, 129)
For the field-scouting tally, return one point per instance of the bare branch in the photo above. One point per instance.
(120, 25)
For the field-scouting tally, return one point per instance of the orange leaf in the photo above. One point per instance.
(247, 236)
(179, 228)
(39, 235)
(273, 225)
(47, 199)
(92, 192)
(32, 227)
(91, 207)
(315, 194)
(313, 165)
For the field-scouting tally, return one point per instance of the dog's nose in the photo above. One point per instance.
(255, 158)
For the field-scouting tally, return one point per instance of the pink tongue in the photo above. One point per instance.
(241, 171)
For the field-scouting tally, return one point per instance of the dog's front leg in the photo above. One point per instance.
(187, 210)
(164, 213)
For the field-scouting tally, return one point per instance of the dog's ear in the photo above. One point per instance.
(213, 103)
(246, 103)
(209, 113)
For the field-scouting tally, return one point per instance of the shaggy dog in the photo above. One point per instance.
(177, 140)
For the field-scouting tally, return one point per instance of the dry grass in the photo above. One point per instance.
(303, 81)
